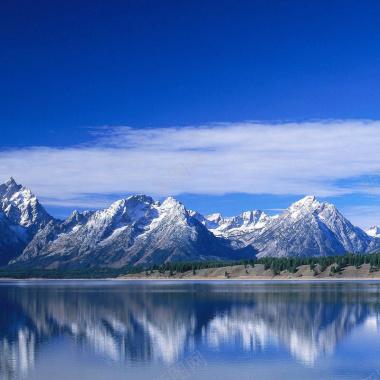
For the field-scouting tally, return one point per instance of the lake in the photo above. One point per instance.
(189, 330)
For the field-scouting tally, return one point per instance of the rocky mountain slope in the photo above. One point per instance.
(137, 230)
(240, 231)
(311, 228)
(131, 231)
(21, 217)
(307, 228)
(373, 231)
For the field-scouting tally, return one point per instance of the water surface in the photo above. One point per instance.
(189, 330)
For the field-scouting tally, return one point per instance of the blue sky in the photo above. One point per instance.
(103, 99)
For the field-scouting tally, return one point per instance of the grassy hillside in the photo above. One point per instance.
(366, 265)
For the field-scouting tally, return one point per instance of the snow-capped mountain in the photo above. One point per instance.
(210, 224)
(131, 231)
(373, 232)
(306, 228)
(239, 230)
(138, 230)
(21, 217)
(22, 207)
(310, 228)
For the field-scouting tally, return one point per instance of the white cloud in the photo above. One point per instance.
(255, 158)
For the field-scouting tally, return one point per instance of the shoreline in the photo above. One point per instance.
(139, 279)
(245, 273)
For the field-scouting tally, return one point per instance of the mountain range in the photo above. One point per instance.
(139, 231)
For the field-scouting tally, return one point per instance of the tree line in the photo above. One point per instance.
(277, 265)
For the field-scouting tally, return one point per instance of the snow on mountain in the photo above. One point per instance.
(239, 230)
(216, 219)
(209, 223)
(245, 222)
(310, 228)
(135, 230)
(373, 232)
(306, 228)
(21, 217)
(374, 246)
(21, 206)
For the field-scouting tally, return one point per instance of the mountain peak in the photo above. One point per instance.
(373, 231)
(141, 198)
(170, 201)
(8, 189)
(131, 202)
(216, 217)
(73, 215)
(308, 199)
(307, 202)
(303, 207)
(10, 182)
(251, 215)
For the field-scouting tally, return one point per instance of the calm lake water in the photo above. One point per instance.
(189, 330)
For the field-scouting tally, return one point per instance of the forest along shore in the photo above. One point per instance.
(342, 267)
(258, 272)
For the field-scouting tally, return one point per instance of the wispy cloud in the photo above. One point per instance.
(250, 157)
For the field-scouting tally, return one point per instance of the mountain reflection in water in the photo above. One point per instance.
(140, 323)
